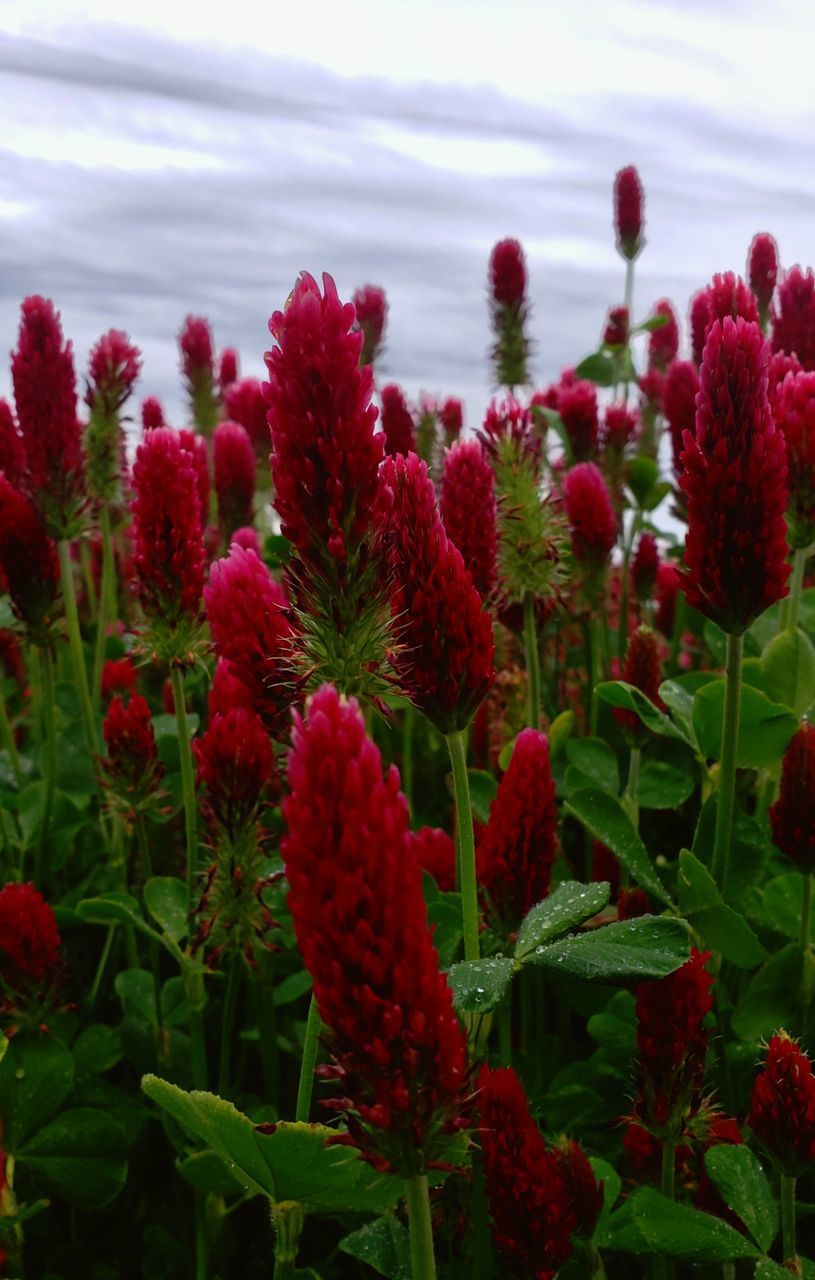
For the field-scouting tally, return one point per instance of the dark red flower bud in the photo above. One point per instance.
(780, 365)
(371, 308)
(620, 428)
(699, 319)
(436, 853)
(533, 1213)
(782, 1108)
(12, 450)
(792, 817)
(628, 212)
(508, 312)
(645, 566)
(642, 671)
(679, 392)
(356, 901)
(590, 515)
(794, 411)
(236, 768)
(132, 767)
(518, 845)
(577, 406)
(247, 537)
(396, 421)
(618, 327)
(444, 659)
(585, 1192)
(793, 321)
(671, 1047)
(663, 343)
(762, 270)
(30, 945)
(118, 676)
(234, 465)
(229, 369)
(667, 585)
(198, 370)
(152, 414)
(28, 564)
(451, 416)
(735, 482)
(112, 371)
(469, 512)
(508, 273)
(227, 690)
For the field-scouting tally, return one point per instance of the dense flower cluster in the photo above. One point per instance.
(645, 566)
(679, 392)
(245, 403)
(663, 343)
(396, 421)
(793, 318)
(792, 818)
(628, 212)
(762, 271)
(642, 671)
(113, 369)
(29, 569)
(118, 676)
(508, 311)
(234, 466)
(577, 406)
(228, 369)
(618, 327)
(590, 515)
(782, 1110)
(152, 414)
(30, 945)
(468, 510)
(236, 767)
(12, 450)
(436, 854)
(794, 411)
(198, 370)
(131, 765)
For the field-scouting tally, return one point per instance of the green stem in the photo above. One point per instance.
(629, 283)
(799, 561)
(87, 576)
(788, 1218)
(630, 799)
(201, 1237)
(104, 616)
(533, 665)
(287, 1217)
(457, 746)
(806, 910)
(308, 1062)
(408, 724)
(7, 738)
(596, 641)
(663, 1265)
(233, 984)
(625, 583)
(422, 1258)
(144, 847)
(49, 717)
(75, 642)
(727, 769)
(728, 1271)
(187, 786)
(102, 965)
(267, 1021)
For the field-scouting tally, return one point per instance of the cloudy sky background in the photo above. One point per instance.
(172, 157)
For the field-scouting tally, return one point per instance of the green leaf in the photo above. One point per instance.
(137, 991)
(166, 725)
(787, 670)
(166, 899)
(611, 1180)
(480, 985)
(765, 727)
(743, 1186)
(766, 1269)
(597, 368)
(567, 907)
(620, 694)
(772, 998)
(36, 1076)
(97, 1049)
(559, 731)
(592, 763)
(80, 1156)
(444, 917)
(113, 908)
(483, 788)
(782, 901)
(292, 987)
(606, 820)
(679, 702)
(652, 323)
(662, 786)
(648, 947)
(641, 475)
(207, 1172)
(655, 495)
(383, 1244)
(722, 928)
(683, 1232)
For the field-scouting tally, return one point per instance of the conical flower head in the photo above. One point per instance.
(42, 371)
(782, 1109)
(197, 351)
(356, 900)
(794, 411)
(762, 272)
(792, 817)
(396, 421)
(628, 212)
(152, 414)
(245, 403)
(533, 1215)
(672, 1046)
(617, 329)
(234, 466)
(585, 1192)
(229, 369)
(793, 318)
(508, 313)
(469, 513)
(644, 567)
(517, 848)
(577, 406)
(113, 369)
(196, 447)
(236, 768)
(620, 428)
(642, 671)
(679, 392)
(735, 483)
(451, 417)
(31, 962)
(663, 343)
(131, 766)
(29, 568)
(444, 658)
(726, 295)
(371, 307)
(590, 515)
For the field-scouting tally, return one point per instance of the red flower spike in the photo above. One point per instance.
(518, 845)
(436, 854)
(444, 660)
(671, 1047)
(29, 568)
(113, 368)
(782, 1109)
(644, 567)
(198, 371)
(618, 327)
(792, 817)
(590, 515)
(628, 212)
(762, 271)
(396, 421)
(130, 740)
(794, 411)
(325, 455)
(12, 449)
(42, 371)
(228, 369)
(667, 585)
(196, 447)
(234, 466)
(168, 549)
(642, 671)
(735, 483)
(699, 319)
(118, 676)
(356, 900)
(244, 402)
(508, 274)
(726, 295)
(227, 690)
(508, 419)
(152, 414)
(577, 406)
(780, 365)
(679, 392)
(620, 428)
(236, 768)
(508, 313)
(585, 1192)
(533, 1214)
(469, 512)
(451, 417)
(248, 616)
(793, 317)
(663, 344)
(371, 308)
(30, 945)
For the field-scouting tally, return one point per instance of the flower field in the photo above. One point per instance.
(408, 828)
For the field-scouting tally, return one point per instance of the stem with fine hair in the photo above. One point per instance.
(7, 738)
(533, 664)
(727, 769)
(308, 1062)
(105, 614)
(422, 1257)
(806, 909)
(788, 1218)
(187, 785)
(49, 718)
(457, 746)
(75, 642)
(793, 601)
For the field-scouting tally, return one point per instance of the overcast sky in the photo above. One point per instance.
(191, 157)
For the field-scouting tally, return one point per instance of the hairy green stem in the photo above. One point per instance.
(75, 642)
(422, 1258)
(102, 965)
(49, 718)
(793, 601)
(533, 664)
(308, 1062)
(105, 615)
(806, 910)
(287, 1217)
(7, 739)
(727, 770)
(788, 1218)
(457, 746)
(187, 786)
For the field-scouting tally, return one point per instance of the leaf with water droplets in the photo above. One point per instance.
(743, 1185)
(606, 820)
(683, 1232)
(36, 1076)
(479, 985)
(384, 1245)
(625, 951)
(567, 907)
